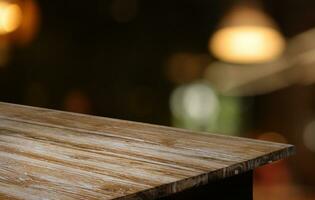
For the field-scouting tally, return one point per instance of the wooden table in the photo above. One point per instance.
(47, 154)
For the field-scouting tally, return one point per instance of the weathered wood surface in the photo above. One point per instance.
(48, 154)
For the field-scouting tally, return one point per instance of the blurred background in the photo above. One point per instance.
(243, 68)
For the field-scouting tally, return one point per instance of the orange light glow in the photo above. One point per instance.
(247, 44)
(10, 17)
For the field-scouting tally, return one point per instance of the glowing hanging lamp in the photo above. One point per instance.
(246, 35)
(19, 20)
(10, 17)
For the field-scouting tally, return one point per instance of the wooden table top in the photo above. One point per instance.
(47, 154)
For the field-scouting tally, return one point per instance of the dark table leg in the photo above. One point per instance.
(235, 187)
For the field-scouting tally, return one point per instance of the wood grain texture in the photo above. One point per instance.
(47, 154)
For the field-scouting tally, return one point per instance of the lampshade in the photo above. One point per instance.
(247, 35)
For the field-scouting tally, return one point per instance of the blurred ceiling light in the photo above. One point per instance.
(247, 35)
(197, 106)
(18, 25)
(10, 17)
(296, 66)
(197, 102)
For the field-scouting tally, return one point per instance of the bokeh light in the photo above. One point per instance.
(195, 103)
(247, 35)
(199, 107)
(18, 25)
(77, 101)
(10, 17)
(247, 44)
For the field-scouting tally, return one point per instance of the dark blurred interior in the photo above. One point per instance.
(149, 61)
